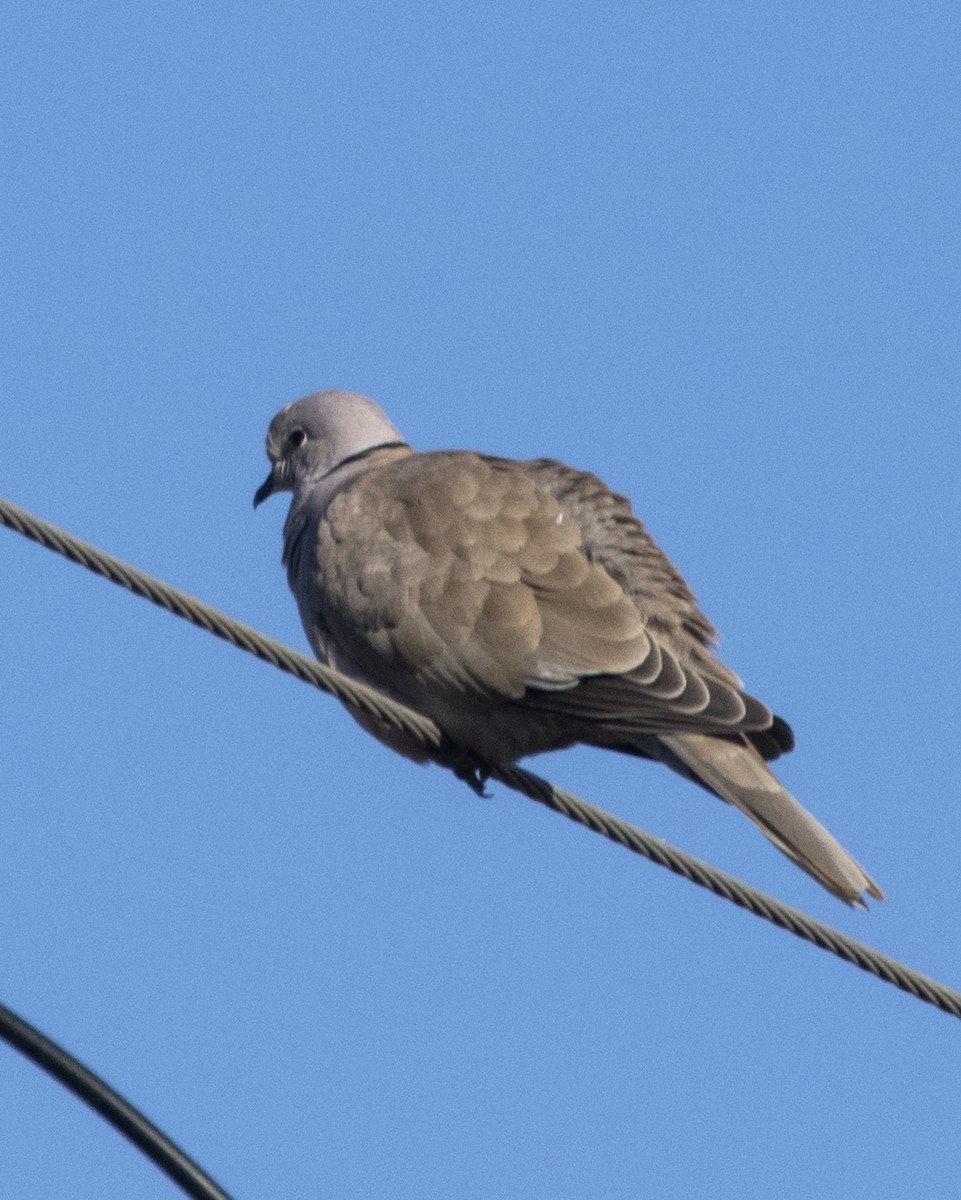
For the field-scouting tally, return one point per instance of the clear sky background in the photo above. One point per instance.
(710, 252)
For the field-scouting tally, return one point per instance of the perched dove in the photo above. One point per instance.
(523, 607)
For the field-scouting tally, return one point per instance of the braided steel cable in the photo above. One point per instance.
(742, 894)
(348, 691)
(367, 700)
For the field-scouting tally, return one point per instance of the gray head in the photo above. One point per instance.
(311, 438)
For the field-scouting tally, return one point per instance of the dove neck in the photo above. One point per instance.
(314, 494)
(364, 454)
(318, 490)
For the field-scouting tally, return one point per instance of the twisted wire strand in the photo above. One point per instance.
(721, 884)
(367, 700)
(350, 693)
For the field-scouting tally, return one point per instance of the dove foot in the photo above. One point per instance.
(476, 779)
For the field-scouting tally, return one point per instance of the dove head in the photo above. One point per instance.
(309, 439)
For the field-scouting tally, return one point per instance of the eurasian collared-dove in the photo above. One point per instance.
(523, 607)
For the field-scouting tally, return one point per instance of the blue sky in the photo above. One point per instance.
(708, 251)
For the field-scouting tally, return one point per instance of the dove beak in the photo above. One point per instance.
(267, 488)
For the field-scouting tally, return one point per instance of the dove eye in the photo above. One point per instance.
(296, 439)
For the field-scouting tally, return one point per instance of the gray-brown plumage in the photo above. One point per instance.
(523, 607)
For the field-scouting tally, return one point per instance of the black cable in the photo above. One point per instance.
(110, 1105)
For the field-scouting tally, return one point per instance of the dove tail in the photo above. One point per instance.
(736, 773)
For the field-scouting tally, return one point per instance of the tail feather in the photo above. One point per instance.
(735, 772)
